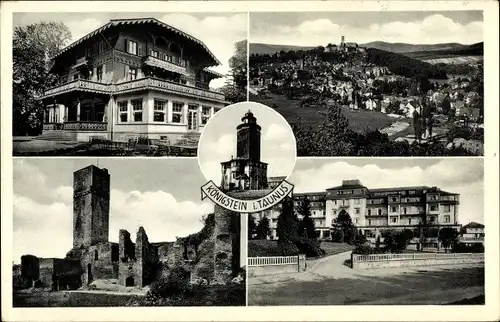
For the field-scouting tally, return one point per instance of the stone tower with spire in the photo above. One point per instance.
(246, 171)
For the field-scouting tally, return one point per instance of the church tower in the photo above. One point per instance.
(248, 138)
(246, 171)
(90, 206)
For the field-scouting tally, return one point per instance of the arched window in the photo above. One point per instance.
(96, 256)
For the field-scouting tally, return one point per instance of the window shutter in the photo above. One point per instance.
(139, 49)
(126, 72)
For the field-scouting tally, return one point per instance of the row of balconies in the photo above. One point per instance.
(147, 83)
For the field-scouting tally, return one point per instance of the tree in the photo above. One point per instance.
(32, 47)
(448, 237)
(417, 126)
(263, 228)
(377, 243)
(252, 226)
(235, 88)
(287, 228)
(344, 223)
(423, 230)
(238, 64)
(306, 225)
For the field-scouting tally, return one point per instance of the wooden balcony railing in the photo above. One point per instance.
(171, 67)
(135, 85)
(85, 126)
(80, 84)
(162, 85)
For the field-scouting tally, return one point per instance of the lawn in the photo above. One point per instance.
(359, 120)
(262, 247)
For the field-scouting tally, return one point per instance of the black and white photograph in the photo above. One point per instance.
(254, 143)
(381, 83)
(123, 84)
(226, 160)
(116, 232)
(372, 232)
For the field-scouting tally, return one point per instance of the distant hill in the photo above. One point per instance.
(258, 48)
(406, 48)
(403, 65)
(471, 50)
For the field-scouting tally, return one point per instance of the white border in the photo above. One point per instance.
(489, 312)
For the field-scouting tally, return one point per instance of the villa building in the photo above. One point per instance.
(472, 233)
(132, 77)
(374, 210)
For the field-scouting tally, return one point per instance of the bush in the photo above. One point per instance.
(310, 247)
(366, 250)
(19, 283)
(174, 284)
(464, 248)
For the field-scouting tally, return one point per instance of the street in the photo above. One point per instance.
(330, 282)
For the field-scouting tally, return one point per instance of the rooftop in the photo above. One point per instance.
(137, 21)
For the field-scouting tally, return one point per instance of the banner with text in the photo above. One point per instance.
(214, 193)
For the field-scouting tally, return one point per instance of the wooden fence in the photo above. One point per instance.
(275, 260)
(413, 256)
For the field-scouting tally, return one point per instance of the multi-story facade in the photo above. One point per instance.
(132, 77)
(374, 210)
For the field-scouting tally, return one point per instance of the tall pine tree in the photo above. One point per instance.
(252, 227)
(287, 228)
(306, 225)
(263, 228)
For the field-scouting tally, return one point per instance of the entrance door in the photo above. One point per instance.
(89, 274)
(129, 281)
(193, 120)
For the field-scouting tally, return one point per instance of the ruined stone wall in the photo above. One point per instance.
(97, 262)
(139, 263)
(30, 267)
(147, 259)
(223, 245)
(46, 272)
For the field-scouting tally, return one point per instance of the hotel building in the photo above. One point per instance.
(131, 77)
(374, 210)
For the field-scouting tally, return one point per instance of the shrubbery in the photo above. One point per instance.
(464, 248)
(175, 283)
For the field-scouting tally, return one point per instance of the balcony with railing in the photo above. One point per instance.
(78, 85)
(152, 83)
(148, 83)
(166, 65)
(93, 126)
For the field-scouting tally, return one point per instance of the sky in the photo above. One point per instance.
(458, 175)
(207, 27)
(321, 28)
(218, 140)
(163, 196)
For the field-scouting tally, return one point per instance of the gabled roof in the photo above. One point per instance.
(474, 225)
(120, 22)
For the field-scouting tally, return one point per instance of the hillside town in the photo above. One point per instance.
(448, 110)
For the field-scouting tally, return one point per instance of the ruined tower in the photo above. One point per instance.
(246, 171)
(90, 206)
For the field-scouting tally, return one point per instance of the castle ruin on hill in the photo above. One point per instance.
(138, 263)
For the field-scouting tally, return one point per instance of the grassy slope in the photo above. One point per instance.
(359, 120)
